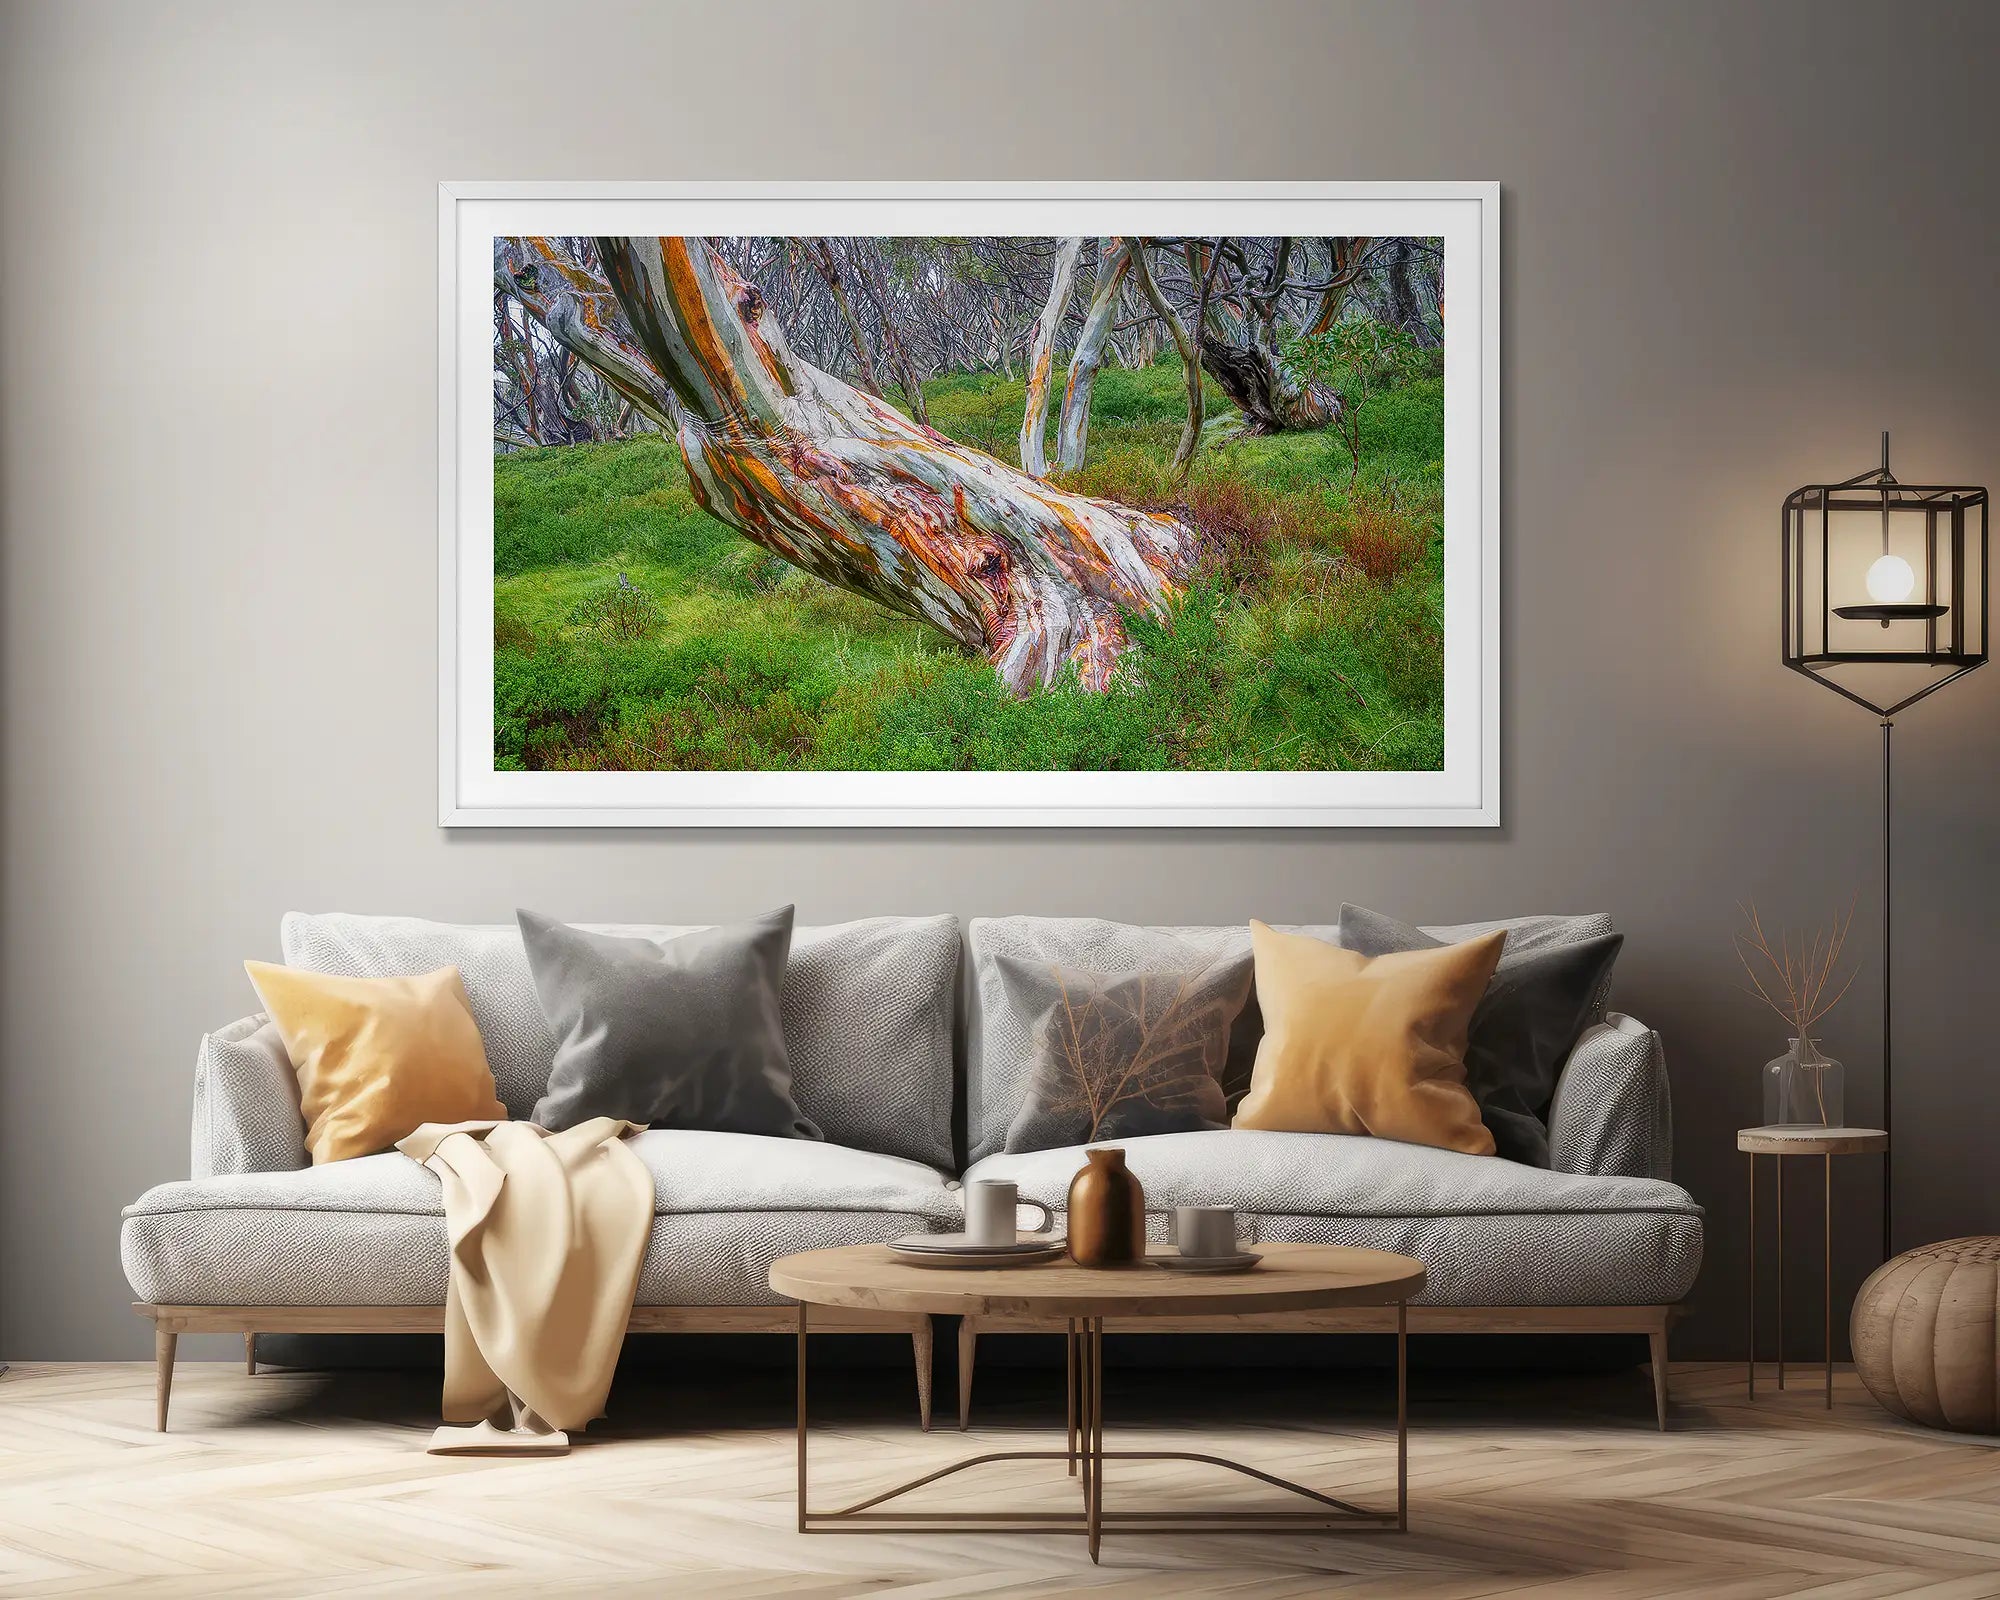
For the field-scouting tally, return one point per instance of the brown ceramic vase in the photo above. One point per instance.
(1107, 1213)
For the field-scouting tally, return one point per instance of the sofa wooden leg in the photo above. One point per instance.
(1657, 1341)
(920, 1337)
(163, 1375)
(968, 1344)
(250, 1354)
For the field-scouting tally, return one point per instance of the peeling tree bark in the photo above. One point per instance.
(841, 484)
(1114, 260)
(1041, 362)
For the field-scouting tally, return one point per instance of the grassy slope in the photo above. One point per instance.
(1315, 642)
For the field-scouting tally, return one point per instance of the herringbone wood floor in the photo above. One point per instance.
(289, 1484)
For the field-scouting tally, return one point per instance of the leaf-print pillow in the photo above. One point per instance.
(1120, 1057)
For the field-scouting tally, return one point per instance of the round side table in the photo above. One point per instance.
(1798, 1140)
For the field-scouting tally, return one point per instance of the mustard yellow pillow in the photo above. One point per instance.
(1354, 1044)
(378, 1057)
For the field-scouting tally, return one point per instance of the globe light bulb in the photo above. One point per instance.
(1890, 580)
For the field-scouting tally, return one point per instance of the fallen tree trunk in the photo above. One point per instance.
(1041, 362)
(844, 486)
(1114, 259)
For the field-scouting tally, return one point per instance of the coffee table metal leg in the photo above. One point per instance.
(802, 1417)
(1829, 1282)
(1086, 1408)
(1069, 1374)
(1096, 1449)
(1402, 1416)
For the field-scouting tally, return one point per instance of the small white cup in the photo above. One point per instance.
(992, 1212)
(1206, 1230)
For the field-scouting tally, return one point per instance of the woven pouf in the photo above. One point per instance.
(1924, 1335)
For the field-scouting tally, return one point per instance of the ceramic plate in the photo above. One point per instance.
(1174, 1261)
(949, 1244)
(966, 1261)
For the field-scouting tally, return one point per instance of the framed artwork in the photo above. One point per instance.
(978, 505)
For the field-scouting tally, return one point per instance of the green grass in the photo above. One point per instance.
(1315, 643)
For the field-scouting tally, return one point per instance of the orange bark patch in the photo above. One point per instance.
(767, 498)
(983, 559)
(695, 485)
(1095, 653)
(750, 307)
(689, 307)
(744, 510)
(1079, 531)
(764, 479)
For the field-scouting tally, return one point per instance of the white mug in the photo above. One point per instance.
(1206, 1230)
(992, 1212)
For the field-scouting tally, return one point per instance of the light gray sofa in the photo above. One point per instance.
(259, 1241)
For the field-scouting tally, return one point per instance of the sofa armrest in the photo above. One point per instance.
(1613, 1115)
(246, 1103)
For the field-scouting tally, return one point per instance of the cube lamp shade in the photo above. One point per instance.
(1885, 591)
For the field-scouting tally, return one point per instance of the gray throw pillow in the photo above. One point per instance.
(681, 1034)
(1540, 1000)
(1118, 1057)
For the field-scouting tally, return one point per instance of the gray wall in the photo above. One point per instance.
(1734, 249)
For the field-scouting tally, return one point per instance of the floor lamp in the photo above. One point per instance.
(1885, 599)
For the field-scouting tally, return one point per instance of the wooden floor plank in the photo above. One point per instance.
(1554, 1487)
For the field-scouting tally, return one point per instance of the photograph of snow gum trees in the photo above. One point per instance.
(889, 504)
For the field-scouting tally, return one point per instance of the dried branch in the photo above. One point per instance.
(1794, 982)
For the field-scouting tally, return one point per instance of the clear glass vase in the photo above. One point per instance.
(1803, 1088)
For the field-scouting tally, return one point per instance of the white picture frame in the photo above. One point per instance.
(472, 793)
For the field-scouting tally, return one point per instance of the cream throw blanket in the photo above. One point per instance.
(547, 1232)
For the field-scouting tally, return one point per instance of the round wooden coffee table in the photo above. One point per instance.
(1291, 1277)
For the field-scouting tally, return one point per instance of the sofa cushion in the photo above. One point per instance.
(1613, 1111)
(1118, 1057)
(1533, 1012)
(1371, 1045)
(247, 1116)
(1488, 1232)
(680, 1034)
(998, 1034)
(377, 1058)
(371, 1231)
(867, 1010)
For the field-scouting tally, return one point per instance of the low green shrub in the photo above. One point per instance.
(619, 608)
